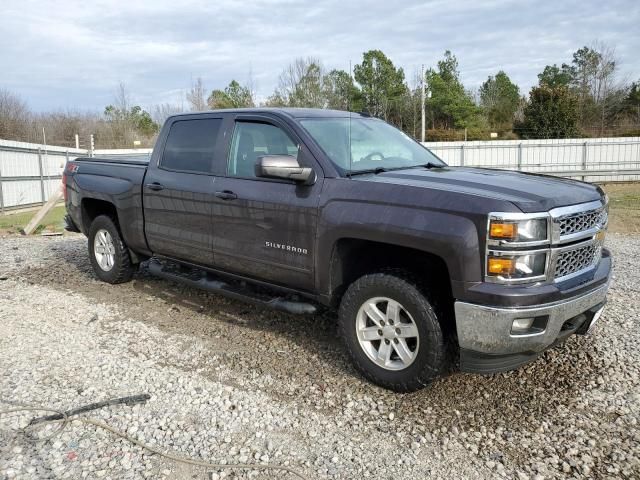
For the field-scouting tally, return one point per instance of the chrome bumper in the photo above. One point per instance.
(487, 330)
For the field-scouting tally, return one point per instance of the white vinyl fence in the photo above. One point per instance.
(29, 172)
(593, 159)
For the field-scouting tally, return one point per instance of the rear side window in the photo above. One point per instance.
(190, 145)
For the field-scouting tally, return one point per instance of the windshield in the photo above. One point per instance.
(367, 144)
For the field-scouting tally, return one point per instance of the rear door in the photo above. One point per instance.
(179, 189)
(265, 228)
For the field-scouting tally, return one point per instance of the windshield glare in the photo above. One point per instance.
(369, 143)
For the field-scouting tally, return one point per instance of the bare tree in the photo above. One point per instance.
(122, 99)
(251, 85)
(117, 126)
(594, 78)
(301, 85)
(608, 93)
(197, 96)
(15, 117)
(161, 112)
(62, 126)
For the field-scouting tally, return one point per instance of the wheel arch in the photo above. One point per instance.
(352, 258)
(91, 208)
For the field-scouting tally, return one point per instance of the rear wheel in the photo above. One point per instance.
(392, 331)
(108, 253)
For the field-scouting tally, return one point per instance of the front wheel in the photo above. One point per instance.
(392, 331)
(108, 253)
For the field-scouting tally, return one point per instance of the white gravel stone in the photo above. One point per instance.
(230, 382)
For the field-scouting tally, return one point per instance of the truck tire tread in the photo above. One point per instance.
(430, 366)
(123, 268)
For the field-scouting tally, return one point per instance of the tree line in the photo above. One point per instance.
(583, 97)
(121, 124)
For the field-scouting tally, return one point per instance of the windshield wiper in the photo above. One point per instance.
(429, 165)
(376, 170)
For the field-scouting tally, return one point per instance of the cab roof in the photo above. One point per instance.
(289, 112)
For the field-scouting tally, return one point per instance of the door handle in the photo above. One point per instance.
(226, 195)
(155, 186)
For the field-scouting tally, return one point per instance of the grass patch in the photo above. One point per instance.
(14, 222)
(624, 207)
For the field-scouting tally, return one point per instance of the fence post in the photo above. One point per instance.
(1, 194)
(520, 157)
(584, 159)
(462, 155)
(92, 146)
(41, 175)
(77, 142)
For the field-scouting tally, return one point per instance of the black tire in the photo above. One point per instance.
(431, 356)
(122, 268)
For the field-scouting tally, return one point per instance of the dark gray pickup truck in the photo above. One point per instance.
(429, 266)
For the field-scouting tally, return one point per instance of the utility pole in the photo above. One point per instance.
(422, 101)
(46, 158)
(349, 92)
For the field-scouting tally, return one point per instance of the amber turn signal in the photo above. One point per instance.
(503, 230)
(501, 266)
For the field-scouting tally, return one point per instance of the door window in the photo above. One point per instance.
(191, 144)
(252, 140)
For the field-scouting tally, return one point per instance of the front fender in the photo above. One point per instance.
(452, 237)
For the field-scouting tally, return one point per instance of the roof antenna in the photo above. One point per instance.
(349, 147)
(349, 110)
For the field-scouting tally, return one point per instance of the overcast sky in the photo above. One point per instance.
(66, 54)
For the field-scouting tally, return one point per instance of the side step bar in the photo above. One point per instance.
(205, 281)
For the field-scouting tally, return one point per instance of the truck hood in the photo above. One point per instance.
(528, 191)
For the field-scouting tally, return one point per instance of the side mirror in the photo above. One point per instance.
(284, 166)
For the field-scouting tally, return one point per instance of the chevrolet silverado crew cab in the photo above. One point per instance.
(428, 266)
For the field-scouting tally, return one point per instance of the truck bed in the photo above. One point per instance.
(116, 180)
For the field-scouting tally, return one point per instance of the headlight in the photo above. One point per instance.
(520, 231)
(518, 247)
(516, 267)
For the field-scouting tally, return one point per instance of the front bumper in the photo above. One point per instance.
(487, 344)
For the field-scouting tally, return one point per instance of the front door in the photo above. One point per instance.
(265, 228)
(179, 191)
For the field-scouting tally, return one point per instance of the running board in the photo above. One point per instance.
(205, 281)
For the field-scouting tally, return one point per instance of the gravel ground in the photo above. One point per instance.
(232, 383)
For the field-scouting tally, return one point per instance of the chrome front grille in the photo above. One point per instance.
(577, 223)
(582, 221)
(578, 259)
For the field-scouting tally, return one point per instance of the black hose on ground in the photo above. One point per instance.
(64, 420)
